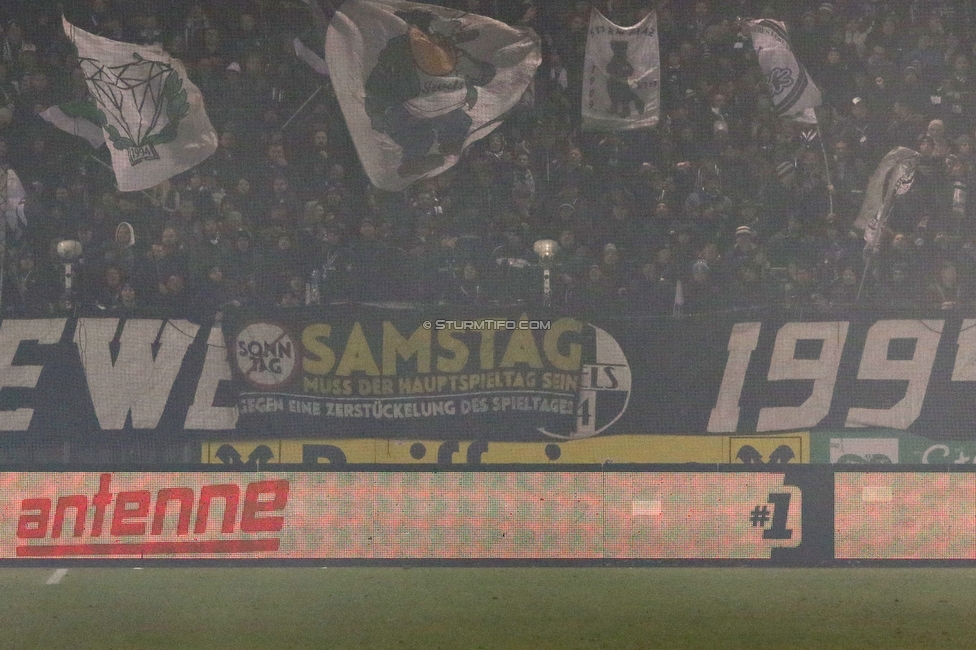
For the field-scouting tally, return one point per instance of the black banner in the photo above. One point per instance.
(461, 379)
(385, 373)
(402, 374)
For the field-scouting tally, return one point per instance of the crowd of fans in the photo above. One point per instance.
(743, 209)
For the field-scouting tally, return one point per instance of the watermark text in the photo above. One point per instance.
(488, 324)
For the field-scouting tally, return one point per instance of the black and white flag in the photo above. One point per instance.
(622, 75)
(793, 92)
(893, 177)
(418, 83)
(12, 197)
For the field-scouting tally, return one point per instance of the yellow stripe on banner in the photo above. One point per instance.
(792, 448)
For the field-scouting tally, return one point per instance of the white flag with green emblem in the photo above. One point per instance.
(152, 115)
(79, 117)
(419, 83)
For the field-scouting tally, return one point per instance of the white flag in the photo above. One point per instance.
(310, 44)
(311, 54)
(152, 114)
(12, 197)
(792, 89)
(806, 116)
(77, 118)
(622, 75)
(418, 83)
(893, 177)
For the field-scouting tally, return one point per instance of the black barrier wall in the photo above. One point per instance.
(623, 515)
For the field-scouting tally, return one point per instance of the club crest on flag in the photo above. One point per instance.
(418, 83)
(791, 88)
(780, 79)
(146, 84)
(146, 106)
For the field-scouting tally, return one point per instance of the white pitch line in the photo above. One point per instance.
(55, 577)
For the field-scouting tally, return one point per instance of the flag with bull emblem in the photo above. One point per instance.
(152, 115)
(793, 91)
(622, 75)
(417, 84)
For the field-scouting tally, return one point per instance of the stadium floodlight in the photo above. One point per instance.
(546, 250)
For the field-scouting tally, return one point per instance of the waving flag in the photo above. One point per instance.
(80, 118)
(310, 44)
(622, 75)
(417, 84)
(311, 50)
(151, 114)
(12, 197)
(893, 177)
(792, 89)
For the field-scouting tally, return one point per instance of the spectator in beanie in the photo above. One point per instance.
(746, 250)
(701, 294)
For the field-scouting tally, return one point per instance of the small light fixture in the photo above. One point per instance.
(69, 250)
(546, 250)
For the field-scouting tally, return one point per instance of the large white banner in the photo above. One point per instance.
(418, 83)
(622, 75)
(792, 89)
(152, 114)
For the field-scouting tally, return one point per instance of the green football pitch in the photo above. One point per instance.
(427, 608)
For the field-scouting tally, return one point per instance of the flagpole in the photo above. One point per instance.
(300, 109)
(823, 149)
(864, 275)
